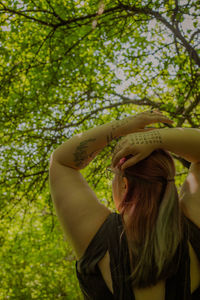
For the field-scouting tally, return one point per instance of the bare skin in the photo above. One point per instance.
(73, 196)
(157, 292)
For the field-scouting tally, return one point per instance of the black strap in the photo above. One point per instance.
(111, 237)
(119, 260)
(194, 236)
(177, 286)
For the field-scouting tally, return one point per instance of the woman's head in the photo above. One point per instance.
(150, 207)
(146, 177)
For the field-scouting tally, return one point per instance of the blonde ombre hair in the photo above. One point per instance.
(154, 226)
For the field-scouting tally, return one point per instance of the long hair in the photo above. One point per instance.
(154, 226)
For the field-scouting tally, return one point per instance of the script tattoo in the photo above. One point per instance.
(115, 126)
(110, 137)
(120, 124)
(153, 137)
(80, 155)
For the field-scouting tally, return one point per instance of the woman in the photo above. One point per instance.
(151, 249)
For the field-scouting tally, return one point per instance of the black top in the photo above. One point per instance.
(110, 237)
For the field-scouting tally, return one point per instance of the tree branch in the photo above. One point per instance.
(193, 35)
(145, 10)
(15, 12)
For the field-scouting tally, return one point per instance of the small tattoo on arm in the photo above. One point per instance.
(109, 138)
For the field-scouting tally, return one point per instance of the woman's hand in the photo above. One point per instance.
(140, 145)
(138, 122)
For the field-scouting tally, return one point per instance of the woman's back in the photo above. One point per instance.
(156, 292)
(190, 202)
(186, 281)
(182, 284)
(155, 235)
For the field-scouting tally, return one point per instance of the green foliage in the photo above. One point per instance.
(67, 66)
(36, 262)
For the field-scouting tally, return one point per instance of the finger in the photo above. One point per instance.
(146, 129)
(131, 161)
(167, 119)
(163, 119)
(158, 116)
(118, 156)
(156, 111)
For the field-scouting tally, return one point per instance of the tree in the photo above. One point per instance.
(67, 66)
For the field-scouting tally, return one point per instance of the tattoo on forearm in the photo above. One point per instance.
(147, 138)
(119, 146)
(119, 123)
(150, 137)
(110, 137)
(80, 154)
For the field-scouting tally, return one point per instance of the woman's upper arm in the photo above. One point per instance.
(77, 207)
(190, 194)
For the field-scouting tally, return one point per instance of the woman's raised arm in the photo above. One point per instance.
(184, 142)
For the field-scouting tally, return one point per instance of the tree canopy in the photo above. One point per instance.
(67, 66)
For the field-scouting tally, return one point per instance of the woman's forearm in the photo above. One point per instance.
(78, 151)
(184, 142)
